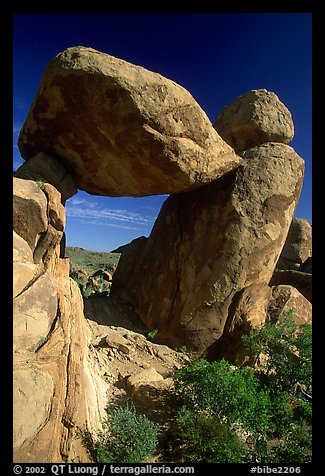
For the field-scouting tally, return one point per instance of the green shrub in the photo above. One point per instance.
(282, 412)
(220, 402)
(228, 392)
(127, 437)
(288, 352)
(296, 446)
(87, 289)
(202, 438)
(152, 334)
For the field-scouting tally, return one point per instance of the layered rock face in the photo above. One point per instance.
(120, 129)
(53, 382)
(209, 245)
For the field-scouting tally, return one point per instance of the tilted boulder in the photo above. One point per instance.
(253, 119)
(207, 245)
(44, 168)
(121, 130)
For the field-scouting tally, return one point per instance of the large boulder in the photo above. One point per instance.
(253, 119)
(120, 129)
(298, 246)
(209, 244)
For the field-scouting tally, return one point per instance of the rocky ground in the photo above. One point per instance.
(137, 369)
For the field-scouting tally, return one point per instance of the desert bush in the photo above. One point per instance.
(88, 289)
(203, 437)
(287, 349)
(220, 402)
(227, 391)
(127, 437)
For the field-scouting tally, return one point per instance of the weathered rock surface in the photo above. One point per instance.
(249, 311)
(34, 312)
(29, 211)
(32, 402)
(38, 220)
(70, 394)
(298, 245)
(143, 374)
(45, 168)
(208, 245)
(284, 298)
(121, 129)
(253, 119)
(23, 274)
(21, 252)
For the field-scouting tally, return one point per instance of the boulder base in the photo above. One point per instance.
(210, 244)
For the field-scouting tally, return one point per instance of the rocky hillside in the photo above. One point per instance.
(91, 261)
(225, 255)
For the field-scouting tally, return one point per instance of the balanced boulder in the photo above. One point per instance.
(120, 129)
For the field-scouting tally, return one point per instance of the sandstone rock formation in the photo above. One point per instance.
(56, 393)
(253, 119)
(29, 211)
(38, 219)
(209, 244)
(44, 168)
(201, 278)
(298, 246)
(121, 129)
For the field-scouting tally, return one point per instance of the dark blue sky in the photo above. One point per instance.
(215, 56)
